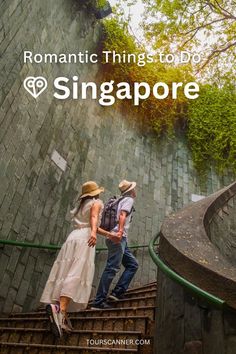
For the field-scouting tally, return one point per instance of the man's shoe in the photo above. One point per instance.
(102, 306)
(113, 297)
(53, 316)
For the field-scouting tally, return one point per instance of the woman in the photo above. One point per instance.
(70, 281)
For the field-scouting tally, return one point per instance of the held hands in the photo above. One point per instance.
(92, 240)
(115, 236)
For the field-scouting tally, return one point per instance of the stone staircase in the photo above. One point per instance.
(126, 328)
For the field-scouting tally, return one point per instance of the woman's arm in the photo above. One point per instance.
(94, 214)
(105, 233)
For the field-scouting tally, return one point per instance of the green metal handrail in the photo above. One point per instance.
(53, 247)
(156, 259)
(180, 280)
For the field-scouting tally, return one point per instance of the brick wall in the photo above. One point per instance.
(97, 143)
(222, 229)
(187, 325)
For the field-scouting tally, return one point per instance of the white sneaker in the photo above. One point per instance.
(53, 313)
(64, 322)
(113, 297)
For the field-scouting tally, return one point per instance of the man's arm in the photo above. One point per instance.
(122, 217)
(125, 210)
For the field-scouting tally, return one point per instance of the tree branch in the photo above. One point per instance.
(224, 10)
(220, 10)
(203, 26)
(190, 38)
(197, 11)
(216, 53)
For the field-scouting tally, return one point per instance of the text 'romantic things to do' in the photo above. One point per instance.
(108, 92)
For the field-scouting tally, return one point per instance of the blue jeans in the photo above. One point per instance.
(117, 254)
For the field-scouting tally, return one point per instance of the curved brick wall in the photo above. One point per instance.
(196, 242)
(185, 241)
(221, 226)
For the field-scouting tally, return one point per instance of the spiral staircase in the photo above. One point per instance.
(125, 328)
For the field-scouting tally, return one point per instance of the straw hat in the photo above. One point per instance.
(91, 189)
(126, 186)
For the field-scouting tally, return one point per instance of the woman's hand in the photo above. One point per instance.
(92, 240)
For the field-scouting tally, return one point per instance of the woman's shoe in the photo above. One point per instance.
(65, 323)
(52, 312)
(69, 324)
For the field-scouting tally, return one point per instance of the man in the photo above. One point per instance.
(118, 251)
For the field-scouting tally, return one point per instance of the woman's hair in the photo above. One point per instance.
(82, 201)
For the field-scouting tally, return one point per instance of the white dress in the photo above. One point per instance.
(73, 270)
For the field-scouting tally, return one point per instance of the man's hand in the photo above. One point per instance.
(116, 237)
(92, 240)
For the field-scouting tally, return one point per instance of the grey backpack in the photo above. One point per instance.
(109, 214)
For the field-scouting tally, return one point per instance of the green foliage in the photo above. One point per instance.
(207, 26)
(118, 39)
(101, 3)
(161, 115)
(212, 128)
(211, 119)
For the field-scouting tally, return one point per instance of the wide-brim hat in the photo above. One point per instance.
(126, 186)
(91, 189)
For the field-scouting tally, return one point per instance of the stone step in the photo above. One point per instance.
(122, 311)
(141, 293)
(124, 339)
(130, 319)
(116, 311)
(139, 301)
(141, 296)
(150, 286)
(134, 301)
(23, 348)
(111, 323)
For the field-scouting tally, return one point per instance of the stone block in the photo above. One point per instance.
(29, 303)
(6, 227)
(33, 285)
(17, 222)
(23, 233)
(22, 185)
(12, 264)
(43, 222)
(11, 297)
(20, 167)
(230, 323)
(17, 278)
(231, 345)
(5, 284)
(15, 204)
(24, 255)
(22, 292)
(4, 259)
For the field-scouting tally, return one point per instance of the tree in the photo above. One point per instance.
(207, 26)
(212, 128)
(161, 115)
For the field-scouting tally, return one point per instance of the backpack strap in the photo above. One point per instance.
(117, 200)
